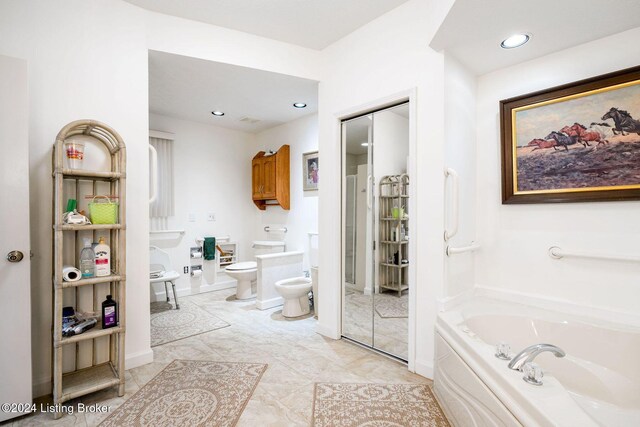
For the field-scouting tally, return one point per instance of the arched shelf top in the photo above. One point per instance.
(93, 128)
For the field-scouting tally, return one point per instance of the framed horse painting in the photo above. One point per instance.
(579, 142)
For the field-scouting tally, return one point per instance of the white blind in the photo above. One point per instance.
(163, 207)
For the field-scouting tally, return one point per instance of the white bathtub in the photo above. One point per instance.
(596, 384)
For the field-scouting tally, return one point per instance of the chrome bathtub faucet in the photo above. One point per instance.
(528, 354)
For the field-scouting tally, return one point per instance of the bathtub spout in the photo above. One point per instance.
(528, 354)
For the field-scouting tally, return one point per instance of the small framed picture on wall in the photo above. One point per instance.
(310, 169)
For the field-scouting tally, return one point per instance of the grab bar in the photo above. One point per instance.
(269, 229)
(557, 253)
(449, 233)
(166, 231)
(154, 176)
(453, 251)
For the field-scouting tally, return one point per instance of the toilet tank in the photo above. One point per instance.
(263, 247)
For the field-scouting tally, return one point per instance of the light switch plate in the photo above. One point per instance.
(192, 217)
(211, 217)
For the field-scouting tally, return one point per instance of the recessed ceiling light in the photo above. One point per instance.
(365, 144)
(299, 104)
(515, 40)
(217, 113)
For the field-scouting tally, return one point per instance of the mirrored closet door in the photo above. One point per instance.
(375, 228)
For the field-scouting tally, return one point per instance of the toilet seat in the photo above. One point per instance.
(243, 266)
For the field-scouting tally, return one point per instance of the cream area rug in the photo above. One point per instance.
(390, 305)
(389, 405)
(168, 324)
(191, 393)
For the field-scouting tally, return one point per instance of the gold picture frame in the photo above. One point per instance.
(578, 142)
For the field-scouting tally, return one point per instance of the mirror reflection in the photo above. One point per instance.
(376, 230)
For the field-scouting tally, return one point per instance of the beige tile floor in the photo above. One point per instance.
(296, 355)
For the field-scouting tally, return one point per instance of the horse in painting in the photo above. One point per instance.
(623, 121)
(563, 139)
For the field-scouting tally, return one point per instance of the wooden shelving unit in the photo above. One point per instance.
(99, 375)
(393, 232)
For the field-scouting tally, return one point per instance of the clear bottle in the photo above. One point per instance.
(87, 260)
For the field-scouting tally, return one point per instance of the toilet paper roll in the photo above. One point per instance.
(70, 273)
(196, 254)
(196, 273)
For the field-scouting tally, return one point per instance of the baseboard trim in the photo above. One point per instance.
(327, 332)
(269, 303)
(42, 387)
(138, 359)
(424, 368)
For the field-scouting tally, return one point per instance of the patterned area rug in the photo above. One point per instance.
(191, 393)
(388, 305)
(389, 405)
(168, 324)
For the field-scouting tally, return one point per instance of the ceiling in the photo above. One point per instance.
(310, 23)
(190, 89)
(473, 30)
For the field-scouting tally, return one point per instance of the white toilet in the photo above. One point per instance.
(295, 292)
(246, 272)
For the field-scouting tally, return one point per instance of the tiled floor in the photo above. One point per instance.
(296, 355)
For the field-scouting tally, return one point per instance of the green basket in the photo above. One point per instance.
(104, 212)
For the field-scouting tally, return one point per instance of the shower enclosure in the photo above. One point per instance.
(375, 232)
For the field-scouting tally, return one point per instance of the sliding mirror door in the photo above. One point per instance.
(358, 230)
(376, 229)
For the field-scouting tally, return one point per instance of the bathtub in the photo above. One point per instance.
(596, 384)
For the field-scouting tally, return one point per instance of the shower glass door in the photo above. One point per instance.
(375, 230)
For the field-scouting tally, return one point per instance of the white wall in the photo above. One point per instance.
(387, 56)
(90, 60)
(85, 61)
(212, 174)
(460, 154)
(302, 137)
(515, 239)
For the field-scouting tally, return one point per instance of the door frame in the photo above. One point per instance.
(409, 95)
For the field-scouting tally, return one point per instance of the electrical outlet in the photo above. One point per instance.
(185, 269)
(192, 217)
(211, 217)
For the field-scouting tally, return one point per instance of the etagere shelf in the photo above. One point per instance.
(394, 232)
(69, 183)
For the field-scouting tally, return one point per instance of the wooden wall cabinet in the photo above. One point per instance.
(270, 179)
